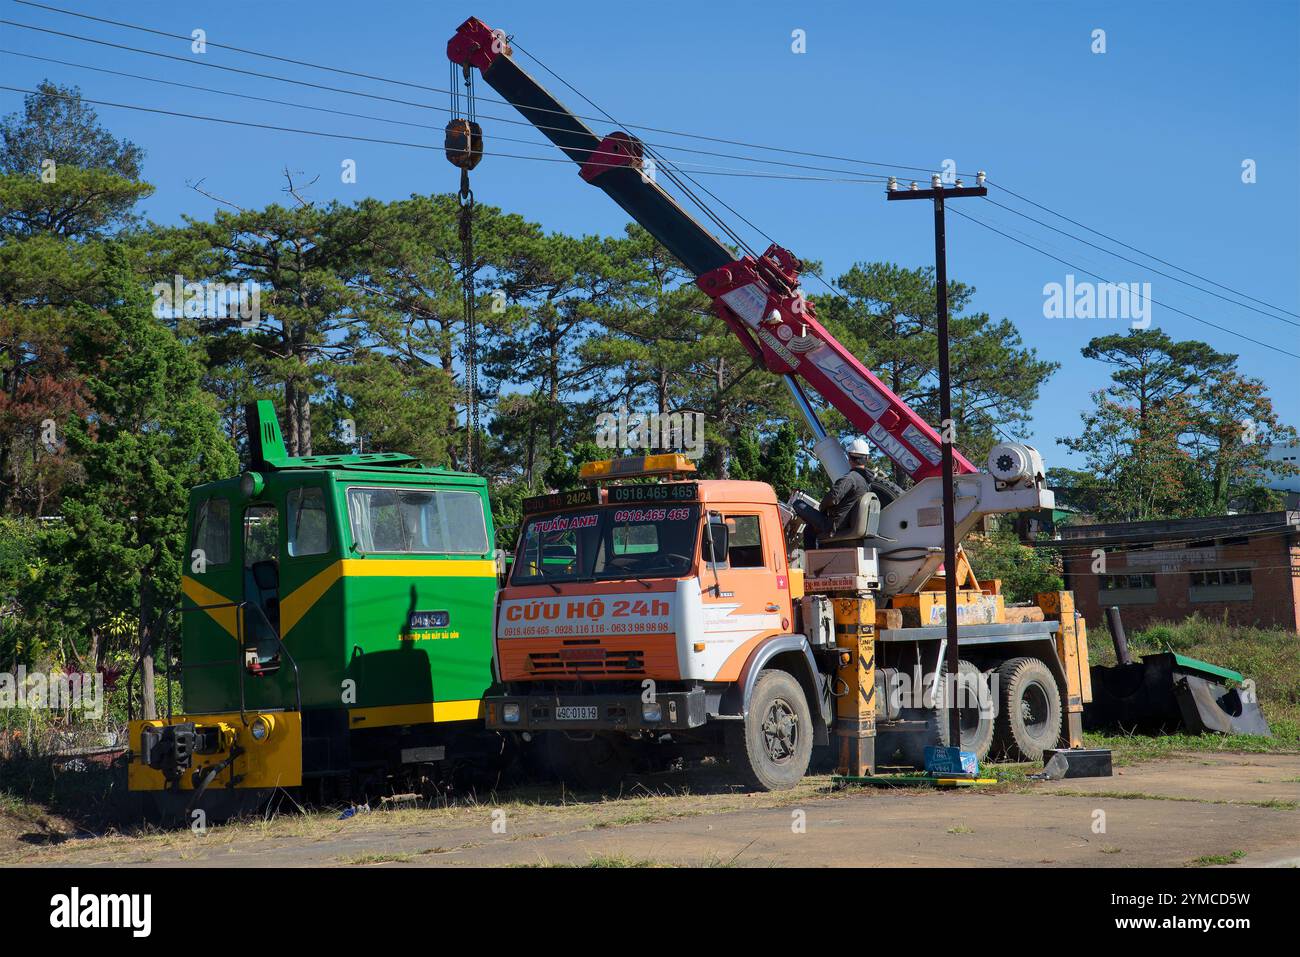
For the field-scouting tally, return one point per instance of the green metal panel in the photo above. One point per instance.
(390, 664)
(1194, 664)
(212, 687)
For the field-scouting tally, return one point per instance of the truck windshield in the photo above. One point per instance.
(606, 543)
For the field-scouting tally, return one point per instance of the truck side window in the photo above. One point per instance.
(212, 531)
(745, 549)
(308, 523)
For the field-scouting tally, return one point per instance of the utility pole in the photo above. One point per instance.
(938, 192)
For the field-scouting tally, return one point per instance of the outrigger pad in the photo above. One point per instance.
(1075, 763)
(1209, 706)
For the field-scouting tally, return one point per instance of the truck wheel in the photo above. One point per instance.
(975, 709)
(771, 748)
(1029, 709)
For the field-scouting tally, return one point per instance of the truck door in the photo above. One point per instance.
(743, 603)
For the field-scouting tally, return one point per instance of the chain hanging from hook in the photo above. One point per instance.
(464, 146)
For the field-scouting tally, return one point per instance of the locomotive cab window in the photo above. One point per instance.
(308, 523)
(212, 531)
(417, 521)
(262, 588)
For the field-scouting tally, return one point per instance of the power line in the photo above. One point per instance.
(1140, 264)
(386, 142)
(861, 176)
(1081, 546)
(1164, 262)
(246, 96)
(1157, 302)
(606, 119)
(435, 89)
(715, 139)
(723, 140)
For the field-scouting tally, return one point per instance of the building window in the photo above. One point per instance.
(1216, 577)
(1221, 584)
(1118, 582)
(1137, 589)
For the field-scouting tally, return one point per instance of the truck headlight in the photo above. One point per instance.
(260, 729)
(652, 711)
(510, 713)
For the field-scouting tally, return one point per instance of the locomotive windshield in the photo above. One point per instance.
(607, 543)
(417, 521)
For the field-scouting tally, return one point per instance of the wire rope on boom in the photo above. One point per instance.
(464, 145)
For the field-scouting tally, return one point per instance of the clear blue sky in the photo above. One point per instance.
(1144, 142)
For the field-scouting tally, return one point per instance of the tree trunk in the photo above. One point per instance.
(303, 414)
(290, 419)
(148, 703)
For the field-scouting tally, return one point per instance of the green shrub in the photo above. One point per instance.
(1024, 571)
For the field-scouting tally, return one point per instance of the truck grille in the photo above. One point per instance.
(586, 662)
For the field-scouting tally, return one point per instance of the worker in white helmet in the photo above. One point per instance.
(838, 503)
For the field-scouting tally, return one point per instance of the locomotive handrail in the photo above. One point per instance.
(239, 637)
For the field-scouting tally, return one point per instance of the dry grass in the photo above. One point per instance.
(527, 813)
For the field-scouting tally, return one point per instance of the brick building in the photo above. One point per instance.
(1244, 566)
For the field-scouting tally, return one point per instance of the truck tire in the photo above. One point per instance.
(1029, 709)
(976, 710)
(771, 748)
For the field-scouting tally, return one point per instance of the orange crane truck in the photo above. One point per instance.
(652, 615)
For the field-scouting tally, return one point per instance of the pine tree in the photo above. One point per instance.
(153, 436)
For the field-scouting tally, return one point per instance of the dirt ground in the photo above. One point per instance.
(1190, 810)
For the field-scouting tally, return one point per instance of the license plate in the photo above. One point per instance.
(575, 713)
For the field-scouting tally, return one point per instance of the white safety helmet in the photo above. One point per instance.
(859, 448)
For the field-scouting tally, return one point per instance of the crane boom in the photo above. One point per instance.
(759, 298)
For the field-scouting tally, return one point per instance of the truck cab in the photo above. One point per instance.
(640, 609)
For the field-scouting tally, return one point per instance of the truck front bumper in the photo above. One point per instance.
(675, 710)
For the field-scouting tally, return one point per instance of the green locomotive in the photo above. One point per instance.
(336, 628)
